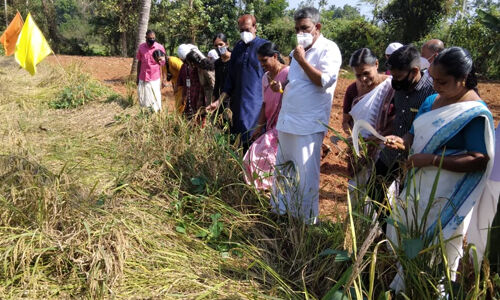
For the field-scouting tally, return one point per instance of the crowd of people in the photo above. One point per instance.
(427, 106)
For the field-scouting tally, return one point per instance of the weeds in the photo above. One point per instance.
(114, 203)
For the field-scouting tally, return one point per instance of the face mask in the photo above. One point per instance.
(222, 50)
(150, 42)
(403, 84)
(304, 39)
(246, 37)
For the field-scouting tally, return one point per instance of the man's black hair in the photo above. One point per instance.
(150, 32)
(405, 58)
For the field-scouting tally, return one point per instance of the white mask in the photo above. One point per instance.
(247, 37)
(304, 39)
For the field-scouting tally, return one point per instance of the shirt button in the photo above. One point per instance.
(406, 97)
(403, 110)
(400, 126)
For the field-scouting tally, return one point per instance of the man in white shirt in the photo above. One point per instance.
(306, 106)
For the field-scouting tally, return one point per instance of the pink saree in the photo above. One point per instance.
(260, 158)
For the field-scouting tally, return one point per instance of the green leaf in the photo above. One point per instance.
(180, 229)
(340, 255)
(412, 247)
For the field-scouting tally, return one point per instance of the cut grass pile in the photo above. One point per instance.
(103, 200)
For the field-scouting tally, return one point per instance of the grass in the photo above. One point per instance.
(104, 200)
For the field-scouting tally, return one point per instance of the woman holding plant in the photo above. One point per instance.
(451, 153)
(260, 158)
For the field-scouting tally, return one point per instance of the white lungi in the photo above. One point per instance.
(149, 94)
(296, 187)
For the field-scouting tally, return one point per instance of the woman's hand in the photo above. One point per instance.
(276, 86)
(214, 105)
(257, 132)
(420, 160)
(395, 142)
(346, 123)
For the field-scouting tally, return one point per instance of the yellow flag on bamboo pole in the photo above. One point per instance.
(10, 35)
(32, 47)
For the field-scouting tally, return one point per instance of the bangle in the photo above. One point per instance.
(434, 160)
(281, 91)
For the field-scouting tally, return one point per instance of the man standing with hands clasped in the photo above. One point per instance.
(307, 102)
(149, 73)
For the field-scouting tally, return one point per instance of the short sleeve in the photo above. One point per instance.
(350, 94)
(329, 65)
(425, 107)
(474, 136)
(138, 56)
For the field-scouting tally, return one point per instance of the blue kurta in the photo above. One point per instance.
(244, 86)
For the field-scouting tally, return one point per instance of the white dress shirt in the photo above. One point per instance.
(305, 105)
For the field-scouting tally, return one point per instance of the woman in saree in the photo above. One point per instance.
(368, 98)
(453, 136)
(260, 158)
(197, 79)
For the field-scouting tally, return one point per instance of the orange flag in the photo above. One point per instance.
(10, 35)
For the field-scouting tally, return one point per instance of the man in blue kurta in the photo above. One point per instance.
(244, 81)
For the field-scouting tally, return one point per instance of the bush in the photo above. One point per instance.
(351, 35)
(480, 41)
(79, 89)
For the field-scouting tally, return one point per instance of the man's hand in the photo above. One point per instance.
(299, 54)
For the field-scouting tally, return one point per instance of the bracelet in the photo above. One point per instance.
(434, 160)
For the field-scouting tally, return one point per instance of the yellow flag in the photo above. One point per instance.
(31, 47)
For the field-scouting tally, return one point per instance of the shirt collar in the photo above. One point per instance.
(423, 80)
(318, 42)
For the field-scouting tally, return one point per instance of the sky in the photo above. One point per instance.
(364, 8)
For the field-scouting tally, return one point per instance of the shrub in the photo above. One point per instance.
(79, 89)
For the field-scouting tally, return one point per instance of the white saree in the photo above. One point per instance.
(463, 203)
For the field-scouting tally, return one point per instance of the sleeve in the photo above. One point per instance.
(228, 85)
(349, 96)
(175, 65)
(425, 107)
(474, 136)
(329, 65)
(182, 76)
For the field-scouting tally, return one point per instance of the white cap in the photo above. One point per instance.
(392, 47)
(213, 54)
(184, 49)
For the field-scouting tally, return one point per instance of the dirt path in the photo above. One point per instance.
(114, 71)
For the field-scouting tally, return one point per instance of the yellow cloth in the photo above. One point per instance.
(174, 65)
(10, 35)
(31, 46)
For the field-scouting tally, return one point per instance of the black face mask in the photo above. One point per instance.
(150, 42)
(403, 84)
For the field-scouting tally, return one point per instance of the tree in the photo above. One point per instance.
(410, 20)
(6, 16)
(141, 30)
(116, 22)
(347, 12)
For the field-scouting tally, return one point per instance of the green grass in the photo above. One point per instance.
(107, 201)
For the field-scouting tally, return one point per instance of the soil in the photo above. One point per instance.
(114, 72)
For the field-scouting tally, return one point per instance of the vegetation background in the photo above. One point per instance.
(108, 27)
(99, 199)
